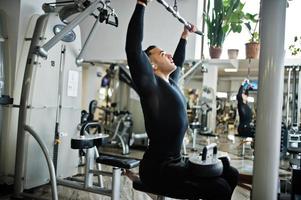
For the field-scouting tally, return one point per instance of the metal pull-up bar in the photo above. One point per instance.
(178, 16)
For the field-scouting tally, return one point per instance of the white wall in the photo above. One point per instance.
(161, 29)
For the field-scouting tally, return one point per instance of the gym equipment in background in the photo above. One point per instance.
(123, 121)
(205, 108)
(294, 139)
(119, 129)
(291, 130)
(291, 98)
(293, 148)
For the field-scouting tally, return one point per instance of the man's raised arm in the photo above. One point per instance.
(140, 67)
(179, 55)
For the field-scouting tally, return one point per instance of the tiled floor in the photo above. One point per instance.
(242, 163)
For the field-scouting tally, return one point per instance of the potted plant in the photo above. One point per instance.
(233, 53)
(253, 46)
(224, 17)
(295, 48)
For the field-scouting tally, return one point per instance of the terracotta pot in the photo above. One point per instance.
(233, 53)
(252, 50)
(215, 52)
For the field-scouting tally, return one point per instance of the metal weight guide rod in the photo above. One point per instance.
(178, 16)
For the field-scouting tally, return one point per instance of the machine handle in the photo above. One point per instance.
(113, 23)
(212, 146)
(90, 125)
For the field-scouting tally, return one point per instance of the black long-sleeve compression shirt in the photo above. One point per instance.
(163, 104)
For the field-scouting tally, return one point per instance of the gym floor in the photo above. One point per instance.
(242, 163)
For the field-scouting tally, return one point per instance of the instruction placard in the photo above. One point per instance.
(73, 80)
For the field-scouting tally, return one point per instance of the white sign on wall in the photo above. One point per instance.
(73, 80)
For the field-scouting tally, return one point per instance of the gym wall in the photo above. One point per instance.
(161, 29)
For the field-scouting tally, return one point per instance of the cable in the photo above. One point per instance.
(175, 6)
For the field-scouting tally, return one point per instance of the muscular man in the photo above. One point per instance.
(155, 74)
(245, 113)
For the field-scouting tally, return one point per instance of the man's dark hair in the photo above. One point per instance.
(246, 92)
(147, 51)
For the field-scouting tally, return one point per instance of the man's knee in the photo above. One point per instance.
(231, 175)
(223, 191)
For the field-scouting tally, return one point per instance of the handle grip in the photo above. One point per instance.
(199, 33)
(207, 148)
(188, 26)
(113, 23)
(90, 125)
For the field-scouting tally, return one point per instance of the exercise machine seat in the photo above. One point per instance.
(118, 161)
(176, 193)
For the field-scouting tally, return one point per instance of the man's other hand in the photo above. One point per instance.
(186, 31)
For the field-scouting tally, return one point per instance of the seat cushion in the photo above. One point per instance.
(117, 161)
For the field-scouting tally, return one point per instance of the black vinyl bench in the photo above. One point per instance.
(117, 161)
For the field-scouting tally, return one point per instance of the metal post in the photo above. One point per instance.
(116, 183)
(299, 97)
(294, 94)
(191, 70)
(184, 147)
(269, 112)
(203, 29)
(89, 166)
(194, 132)
(288, 94)
(98, 167)
(243, 147)
(20, 157)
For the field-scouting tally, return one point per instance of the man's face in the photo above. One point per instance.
(162, 61)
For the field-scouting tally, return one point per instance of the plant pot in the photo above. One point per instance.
(252, 50)
(215, 52)
(233, 53)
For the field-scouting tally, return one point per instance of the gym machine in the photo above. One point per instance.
(291, 130)
(52, 61)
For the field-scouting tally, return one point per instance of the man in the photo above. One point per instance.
(155, 75)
